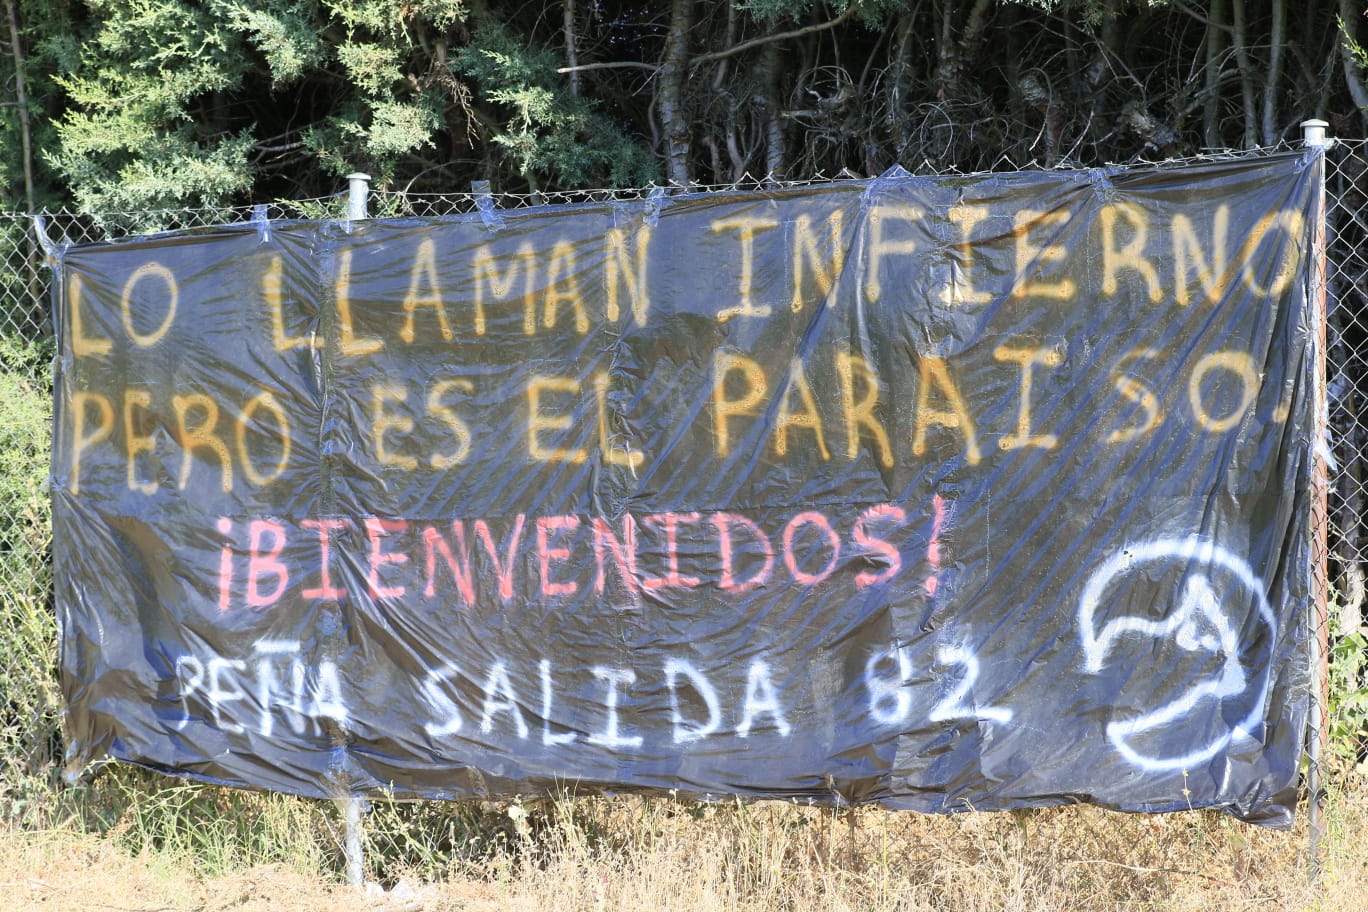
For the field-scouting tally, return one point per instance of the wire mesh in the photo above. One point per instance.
(1347, 370)
(30, 709)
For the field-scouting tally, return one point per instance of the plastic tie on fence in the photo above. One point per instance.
(876, 186)
(655, 201)
(1325, 445)
(484, 202)
(53, 253)
(1325, 450)
(1310, 154)
(625, 212)
(1100, 179)
(262, 222)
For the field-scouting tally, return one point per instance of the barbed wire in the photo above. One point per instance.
(66, 226)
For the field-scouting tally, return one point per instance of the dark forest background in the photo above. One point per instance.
(116, 105)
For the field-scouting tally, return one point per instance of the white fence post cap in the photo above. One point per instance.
(1313, 133)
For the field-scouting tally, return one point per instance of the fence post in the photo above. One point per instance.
(352, 852)
(358, 193)
(1313, 136)
(1313, 133)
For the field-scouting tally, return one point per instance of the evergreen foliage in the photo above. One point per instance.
(132, 104)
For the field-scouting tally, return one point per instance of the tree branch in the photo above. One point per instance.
(610, 65)
(715, 55)
(1209, 21)
(782, 36)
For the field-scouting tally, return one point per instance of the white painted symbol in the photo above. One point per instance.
(888, 673)
(1200, 624)
(890, 703)
(959, 704)
(434, 687)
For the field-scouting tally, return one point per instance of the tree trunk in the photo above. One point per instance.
(1357, 90)
(1275, 47)
(899, 82)
(768, 73)
(1102, 69)
(1211, 104)
(21, 98)
(736, 161)
(673, 71)
(1246, 68)
(571, 52)
(957, 53)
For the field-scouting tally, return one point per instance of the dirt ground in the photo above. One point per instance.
(1065, 860)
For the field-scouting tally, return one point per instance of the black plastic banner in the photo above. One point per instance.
(945, 493)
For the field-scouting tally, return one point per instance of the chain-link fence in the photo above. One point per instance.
(1347, 370)
(29, 701)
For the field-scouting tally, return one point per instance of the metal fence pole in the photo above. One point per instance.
(358, 194)
(1313, 135)
(352, 839)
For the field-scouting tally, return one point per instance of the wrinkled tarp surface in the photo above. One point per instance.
(944, 493)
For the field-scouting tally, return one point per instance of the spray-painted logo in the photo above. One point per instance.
(1206, 660)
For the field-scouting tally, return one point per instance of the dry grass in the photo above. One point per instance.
(632, 853)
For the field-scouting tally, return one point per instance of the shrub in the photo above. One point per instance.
(29, 699)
